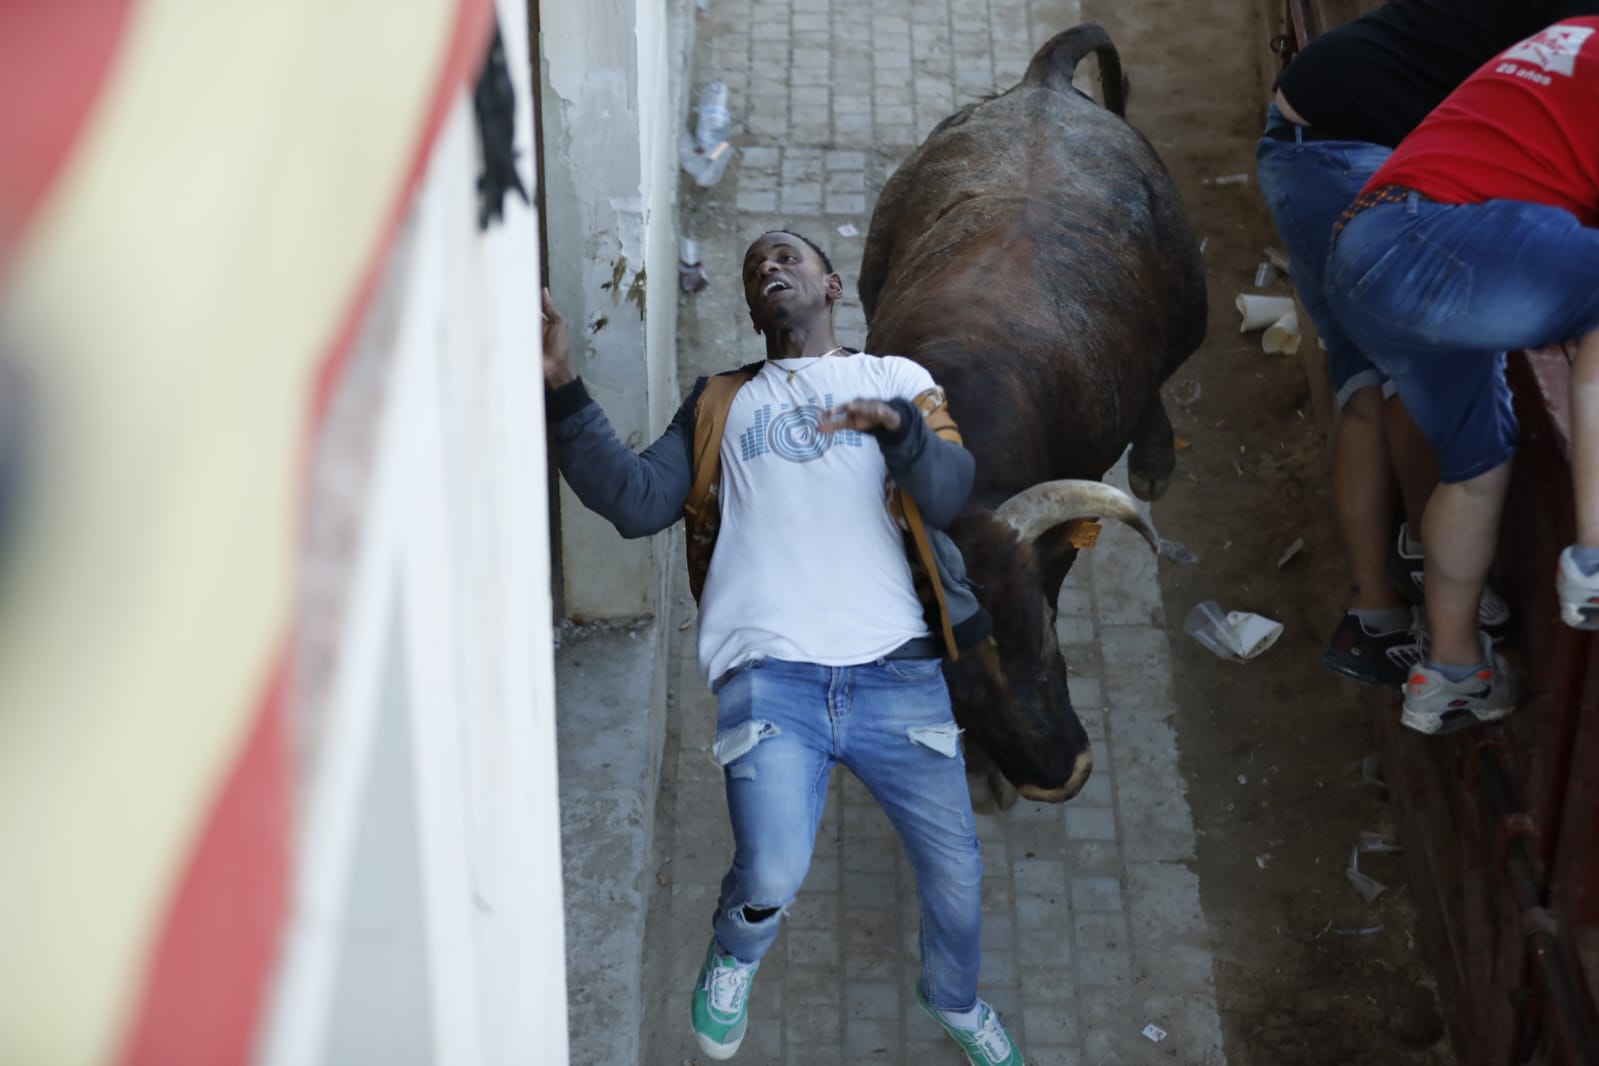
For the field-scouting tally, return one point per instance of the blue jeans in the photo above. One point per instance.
(1306, 186)
(1437, 292)
(780, 727)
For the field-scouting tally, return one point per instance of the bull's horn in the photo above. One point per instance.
(1044, 506)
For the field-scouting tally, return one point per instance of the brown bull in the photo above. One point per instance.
(1034, 255)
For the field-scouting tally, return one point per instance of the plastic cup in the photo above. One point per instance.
(1260, 310)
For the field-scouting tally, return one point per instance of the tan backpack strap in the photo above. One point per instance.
(935, 408)
(924, 551)
(710, 422)
(702, 511)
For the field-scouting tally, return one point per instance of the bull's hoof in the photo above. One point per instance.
(1153, 457)
(1150, 465)
(1148, 488)
(990, 792)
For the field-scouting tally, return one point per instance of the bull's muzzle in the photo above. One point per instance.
(1081, 769)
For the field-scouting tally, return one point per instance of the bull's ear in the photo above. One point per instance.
(1056, 553)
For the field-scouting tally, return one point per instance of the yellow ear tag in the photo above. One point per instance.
(1084, 532)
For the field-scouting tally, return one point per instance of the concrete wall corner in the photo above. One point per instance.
(612, 90)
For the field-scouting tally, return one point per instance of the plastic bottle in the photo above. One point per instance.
(691, 273)
(706, 168)
(715, 121)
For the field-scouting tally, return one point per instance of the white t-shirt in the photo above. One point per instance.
(809, 566)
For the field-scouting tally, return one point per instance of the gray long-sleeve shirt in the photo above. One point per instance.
(641, 493)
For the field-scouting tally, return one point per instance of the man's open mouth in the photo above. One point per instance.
(775, 286)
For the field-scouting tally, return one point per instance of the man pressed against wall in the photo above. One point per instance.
(811, 634)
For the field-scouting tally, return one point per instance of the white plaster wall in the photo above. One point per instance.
(611, 116)
(452, 557)
(662, 117)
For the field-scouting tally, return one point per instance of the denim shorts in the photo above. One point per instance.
(1438, 292)
(1306, 186)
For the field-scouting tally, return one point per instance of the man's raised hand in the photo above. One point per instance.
(866, 416)
(557, 347)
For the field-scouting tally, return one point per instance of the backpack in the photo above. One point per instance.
(702, 512)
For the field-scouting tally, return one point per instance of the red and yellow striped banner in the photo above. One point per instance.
(194, 200)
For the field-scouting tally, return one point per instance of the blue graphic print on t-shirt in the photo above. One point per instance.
(793, 434)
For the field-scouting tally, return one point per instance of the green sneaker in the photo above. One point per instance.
(987, 1045)
(721, 1003)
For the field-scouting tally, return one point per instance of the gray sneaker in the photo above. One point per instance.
(1579, 594)
(1435, 705)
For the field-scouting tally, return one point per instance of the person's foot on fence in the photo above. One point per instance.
(1577, 583)
(721, 1003)
(1407, 568)
(985, 1040)
(1440, 698)
(1375, 647)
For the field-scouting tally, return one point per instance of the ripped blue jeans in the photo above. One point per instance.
(781, 726)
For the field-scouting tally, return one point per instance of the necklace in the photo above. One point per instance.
(810, 364)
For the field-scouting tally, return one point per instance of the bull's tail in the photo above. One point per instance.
(1055, 63)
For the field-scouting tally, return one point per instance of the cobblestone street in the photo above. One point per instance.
(1092, 921)
(1092, 925)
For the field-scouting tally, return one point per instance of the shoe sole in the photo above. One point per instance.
(1579, 617)
(1434, 725)
(1344, 670)
(716, 1051)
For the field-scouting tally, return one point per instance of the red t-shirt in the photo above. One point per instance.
(1523, 127)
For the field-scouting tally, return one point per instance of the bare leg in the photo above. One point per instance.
(1415, 463)
(1363, 499)
(1585, 439)
(1461, 527)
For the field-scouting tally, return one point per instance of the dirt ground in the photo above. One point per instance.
(1309, 974)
